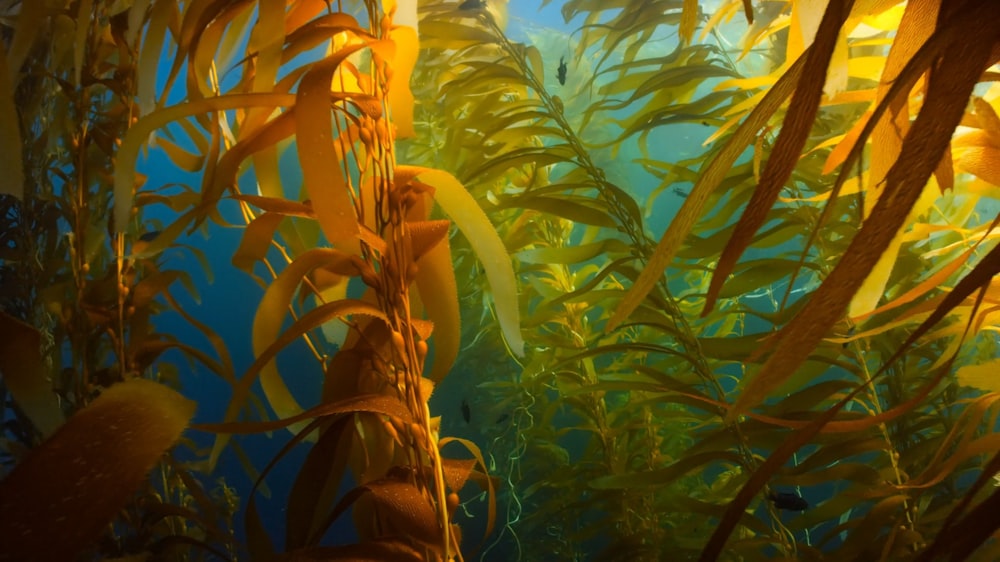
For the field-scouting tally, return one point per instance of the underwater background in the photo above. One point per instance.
(487, 280)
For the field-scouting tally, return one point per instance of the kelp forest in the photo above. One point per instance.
(651, 280)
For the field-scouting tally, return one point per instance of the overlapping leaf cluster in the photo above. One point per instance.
(648, 420)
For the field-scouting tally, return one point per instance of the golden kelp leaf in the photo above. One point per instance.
(915, 27)
(149, 55)
(980, 161)
(982, 376)
(25, 376)
(456, 201)
(62, 496)
(10, 133)
(400, 96)
(138, 133)
(256, 241)
(933, 282)
(873, 287)
(322, 169)
(689, 21)
(709, 179)
(491, 514)
(947, 94)
(278, 205)
(988, 119)
(309, 321)
(788, 146)
(439, 294)
(270, 317)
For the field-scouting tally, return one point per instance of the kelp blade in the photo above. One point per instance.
(61, 497)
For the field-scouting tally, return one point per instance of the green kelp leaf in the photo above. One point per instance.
(577, 209)
(663, 476)
(25, 376)
(64, 493)
(138, 133)
(982, 376)
(708, 180)
(10, 134)
(459, 204)
(572, 254)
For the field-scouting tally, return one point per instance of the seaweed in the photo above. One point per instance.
(675, 275)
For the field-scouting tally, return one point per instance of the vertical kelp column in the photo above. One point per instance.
(345, 252)
(85, 427)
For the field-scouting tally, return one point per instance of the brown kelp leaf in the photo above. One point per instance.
(317, 483)
(787, 148)
(948, 91)
(392, 548)
(456, 472)
(25, 376)
(425, 235)
(404, 511)
(282, 398)
(708, 180)
(10, 134)
(373, 403)
(62, 496)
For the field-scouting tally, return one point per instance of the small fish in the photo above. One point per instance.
(149, 236)
(466, 412)
(680, 192)
(788, 501)
(561, 73)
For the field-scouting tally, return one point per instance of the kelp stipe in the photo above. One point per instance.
(355, 248)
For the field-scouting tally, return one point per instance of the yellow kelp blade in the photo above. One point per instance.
(400, 96)
(63, 495)
(25, 376)
(456, 201)
(982, 376)
(140, 131)
(439, 293)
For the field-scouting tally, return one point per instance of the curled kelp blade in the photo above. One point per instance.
(62, 496)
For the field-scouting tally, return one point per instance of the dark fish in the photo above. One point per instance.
(470, 5)
(788, 501)
(466, 412)
(149, 236)
(561, 73)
